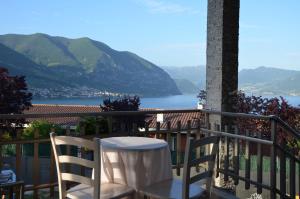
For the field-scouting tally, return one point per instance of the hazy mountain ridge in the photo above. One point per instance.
(257, 81)
(83, 62)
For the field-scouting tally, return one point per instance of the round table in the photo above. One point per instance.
(135, 161)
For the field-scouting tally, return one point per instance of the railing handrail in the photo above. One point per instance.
(140, 112)
(244, 115)
(145, 112)
(108, 113)
(241, 137)
(286, 126)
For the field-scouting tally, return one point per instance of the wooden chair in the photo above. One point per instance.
(88, 188)
(189, 186)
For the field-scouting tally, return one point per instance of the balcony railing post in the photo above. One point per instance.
(146, 129)
(52, 169)
(36, 164)
(236, 157)
(248, 162)
(18, 155)
(226, 155)
(169, 139)
(273, 159)
(259, 165)
(282, 173)
(178, 148)
(293, 177)
(1, 158)
(198, 137)
(157, 130)
(82, 151)
(68, 152)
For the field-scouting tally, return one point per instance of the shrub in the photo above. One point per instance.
(125, 103)
(43, 127)
(91, 123)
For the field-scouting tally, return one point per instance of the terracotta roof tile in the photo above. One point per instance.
(51, 108)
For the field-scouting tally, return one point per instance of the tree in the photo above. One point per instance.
(14, 99)
(125, 103)
(91, 123)
(266, 106)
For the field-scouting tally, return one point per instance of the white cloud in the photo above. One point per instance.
(166, 7)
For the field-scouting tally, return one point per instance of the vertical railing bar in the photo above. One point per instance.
(123, 129)
(52, 169)
(36, 165)
(218, 150)
(82, 151)
(259, 165)
(189, 126)
(273, 160)
(198, 137)
(146, 129)
(299, 178)
(157, 129)
(226, 155)
(68, 152)
(178, 148)
(1, 158)
(11, 192)
(52, 172)
(135, 129)
(169, 135)
(292, 178)
(18, 155)
(282, 174)
(236, 156)
(248, 163)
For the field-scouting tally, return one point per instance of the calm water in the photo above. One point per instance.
(171, 102)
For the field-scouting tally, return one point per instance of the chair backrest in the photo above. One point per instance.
(189, 162)
(60, 159)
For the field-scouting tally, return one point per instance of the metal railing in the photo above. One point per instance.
(175, 130)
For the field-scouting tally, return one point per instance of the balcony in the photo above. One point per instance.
(250, 160)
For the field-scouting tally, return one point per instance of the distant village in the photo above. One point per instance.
(68, 92)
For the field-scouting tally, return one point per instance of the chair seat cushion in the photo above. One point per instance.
(108, 190)
(172, 189)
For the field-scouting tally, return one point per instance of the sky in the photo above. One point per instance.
(165, 32)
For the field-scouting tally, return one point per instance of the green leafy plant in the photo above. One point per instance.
(123, 123)
(43, 127)
(266, 106)
(90, 124)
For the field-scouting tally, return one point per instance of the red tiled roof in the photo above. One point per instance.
(49, 108)
(173, 118)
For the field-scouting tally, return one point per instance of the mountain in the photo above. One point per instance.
(186, 86)
(82, 63)
(195, 74)
(270, 81)
(258, 81)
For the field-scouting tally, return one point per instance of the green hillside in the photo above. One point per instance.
(85, 62)
(257, 81)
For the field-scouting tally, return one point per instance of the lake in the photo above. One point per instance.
(170, 102)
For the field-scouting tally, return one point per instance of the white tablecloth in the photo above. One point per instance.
(135, 161)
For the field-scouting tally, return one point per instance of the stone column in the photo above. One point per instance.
(222, 63)
(222, 55)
